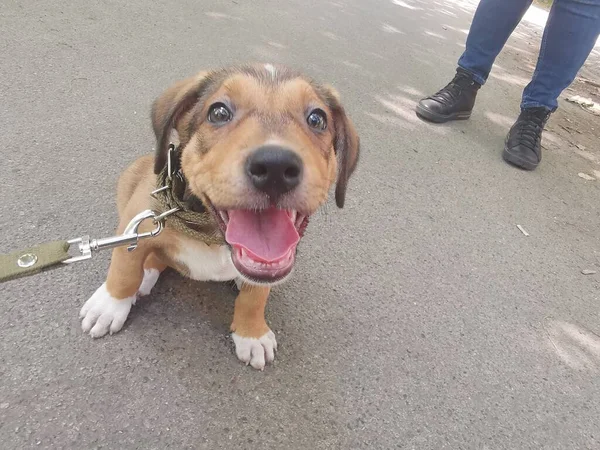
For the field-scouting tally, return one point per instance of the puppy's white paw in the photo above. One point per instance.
(255, 351)
(103, 313)
(150, 279)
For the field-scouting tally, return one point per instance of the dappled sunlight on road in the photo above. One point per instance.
(377, 55)
(351, 65)
(500, 119)
(530, 50)
(448, 13)
(458, 30)
(588, 155)
(330, 35)
(575, 346)
(277, 45)
(403, 109)
(413, 92)
(219, 15)
(467, 6)
(520, 34)
(436, 35)
(553, 138)
(406, 5)
(536, 16)
(509, 77)
(390, 29)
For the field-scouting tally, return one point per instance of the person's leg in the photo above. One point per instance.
(492, 25)
(571, 32)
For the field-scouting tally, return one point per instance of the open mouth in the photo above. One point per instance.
(263, 243)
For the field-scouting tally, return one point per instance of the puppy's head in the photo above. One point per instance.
(261, 147)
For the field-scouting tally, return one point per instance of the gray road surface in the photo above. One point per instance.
(420, 317)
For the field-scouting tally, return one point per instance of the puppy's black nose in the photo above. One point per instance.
(274, 170)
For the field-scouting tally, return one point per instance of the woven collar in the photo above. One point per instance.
(192, 217)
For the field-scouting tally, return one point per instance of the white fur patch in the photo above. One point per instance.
(207, 263)
(271, 69)
(150, 279)
(255, 351)
(239, 282)
(103, 313)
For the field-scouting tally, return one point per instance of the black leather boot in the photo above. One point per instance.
(523, 145)
(454, 102)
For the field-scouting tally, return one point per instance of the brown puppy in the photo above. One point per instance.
(258, 150)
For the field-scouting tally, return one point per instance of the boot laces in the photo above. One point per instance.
(451, 92)
(531, 123)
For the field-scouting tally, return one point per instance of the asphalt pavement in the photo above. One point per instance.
(419, 316)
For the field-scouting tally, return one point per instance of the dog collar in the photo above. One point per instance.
(186, 212)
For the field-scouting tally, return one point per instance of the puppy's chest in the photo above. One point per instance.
(203, 262)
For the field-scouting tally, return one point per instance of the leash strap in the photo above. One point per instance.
(51, 254)
(187, 216)
(33, 260)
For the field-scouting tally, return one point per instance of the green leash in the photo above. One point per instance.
(33, 260)
(55, 254)
(168, 197)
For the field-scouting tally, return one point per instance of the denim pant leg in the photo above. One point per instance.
(492, 25)
(570, 35)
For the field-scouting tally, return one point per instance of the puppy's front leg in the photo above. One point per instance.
(254, 341)
(108, 308)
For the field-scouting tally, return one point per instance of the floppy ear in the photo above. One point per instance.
(169, 108)
(346, 144)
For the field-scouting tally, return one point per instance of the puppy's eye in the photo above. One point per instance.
(317, 119)
(219, 114)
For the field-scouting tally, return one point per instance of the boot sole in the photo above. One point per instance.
(440, 118)
(516, 160)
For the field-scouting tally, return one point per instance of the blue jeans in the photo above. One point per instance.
(570, 34)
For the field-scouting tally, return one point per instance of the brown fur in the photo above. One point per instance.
(268, 108)
(249, 311)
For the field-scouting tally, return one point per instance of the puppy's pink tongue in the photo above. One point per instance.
(268, 235)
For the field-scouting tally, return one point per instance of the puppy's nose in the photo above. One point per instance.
(274, 170)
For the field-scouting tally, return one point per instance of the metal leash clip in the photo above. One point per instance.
(51, 254)
(130, 237)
